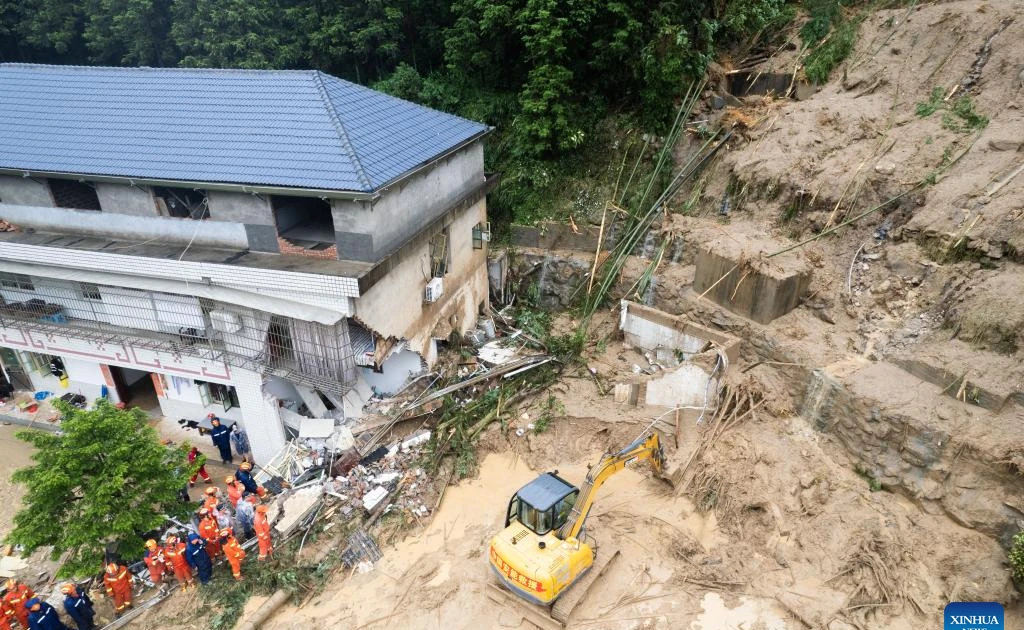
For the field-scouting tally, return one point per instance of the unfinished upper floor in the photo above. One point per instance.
(293, 163)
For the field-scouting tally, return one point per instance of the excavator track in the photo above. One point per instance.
(568, 601)
(537, 615)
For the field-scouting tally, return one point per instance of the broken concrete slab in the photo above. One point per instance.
(671, 337)
(734, 272)
(690, 385)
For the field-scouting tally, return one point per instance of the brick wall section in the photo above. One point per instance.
(286, 247)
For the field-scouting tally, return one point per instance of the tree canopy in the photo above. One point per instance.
(544, 72)
(106, 478)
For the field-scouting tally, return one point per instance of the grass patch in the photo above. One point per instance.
(873, 484)
(824, 59)
(960, 116)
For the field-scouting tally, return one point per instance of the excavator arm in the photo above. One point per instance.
(646, 447)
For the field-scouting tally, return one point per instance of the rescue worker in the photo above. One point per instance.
(155, 562)
(212, 500)
(234, 491)
(198, 557)
(193, 455)
(5, 616)
(262, 527)
(233, 551)
(42, 616)
(245, 515)
(221, 436)
(174, 552)
(78, 606)
(17, 594)
(248, 482)
(209, 532)
(118, 582)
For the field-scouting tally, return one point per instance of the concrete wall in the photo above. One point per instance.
(394, 307)
(240, 207)
(123, 199)
(122, 226)
(24, 191)
(368, 232)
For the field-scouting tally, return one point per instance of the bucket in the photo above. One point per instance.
(488, 326)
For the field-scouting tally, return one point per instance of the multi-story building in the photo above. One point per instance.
(235, 241)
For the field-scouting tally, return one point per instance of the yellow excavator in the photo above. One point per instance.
(541, 552)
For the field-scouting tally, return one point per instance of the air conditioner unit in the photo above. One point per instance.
(434, 290)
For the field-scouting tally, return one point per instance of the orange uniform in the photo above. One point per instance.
(234, 494)
(14, 603)
(208, 530)
(262, 528)
(118, 582)
(156, 564)
(235, 555)
(4, 623)
(174, 552)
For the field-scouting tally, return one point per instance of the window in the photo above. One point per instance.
(90, 291)
(564, 508)
(440, 254)
(71, 194)
(183, 203)
(539, 522)
(481, 234)
(38, 363)
(16, 281)
(224, 395)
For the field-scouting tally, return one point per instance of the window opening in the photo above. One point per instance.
(71, 194)
(90, 291)
(306, 222)
(183, 203)
(279, 340)
(16, 281)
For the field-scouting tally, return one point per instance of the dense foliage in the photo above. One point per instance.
(543, 71)
(105, 479)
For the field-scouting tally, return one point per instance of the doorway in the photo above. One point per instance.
(16, 374)
(135, 388)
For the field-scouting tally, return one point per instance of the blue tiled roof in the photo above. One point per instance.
(291, 128)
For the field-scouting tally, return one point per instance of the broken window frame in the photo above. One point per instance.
(67, 193)
(440, 253)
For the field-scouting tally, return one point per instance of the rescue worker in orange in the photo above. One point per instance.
(262, 527)
(233, 551)
(154, 559)
(118, 582)
(17, 594)
(234, 491)
(5, 617)
(174, 552)
(212, 500)
(209, 530)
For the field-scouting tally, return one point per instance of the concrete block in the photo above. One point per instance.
(650, 329)
(683, 387)
(261, 238)
(734, 273)
(125, 199)
(355, 246)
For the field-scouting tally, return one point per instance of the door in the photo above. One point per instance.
(16, 374)
(120, 384)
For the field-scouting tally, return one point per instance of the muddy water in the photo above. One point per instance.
(436, 578)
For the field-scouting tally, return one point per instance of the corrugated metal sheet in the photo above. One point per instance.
(292, 128)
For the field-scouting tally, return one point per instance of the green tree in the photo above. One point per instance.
(236, 34)
(129, 32)
(105, 479)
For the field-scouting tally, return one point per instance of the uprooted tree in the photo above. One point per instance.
(106, 478)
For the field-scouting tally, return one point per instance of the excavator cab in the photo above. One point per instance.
(543, 505)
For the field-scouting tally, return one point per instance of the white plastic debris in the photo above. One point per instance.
(386, 478)
(374, 497)
(364, 567)
(416, 440)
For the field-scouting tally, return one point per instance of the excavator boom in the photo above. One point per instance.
(646, 447)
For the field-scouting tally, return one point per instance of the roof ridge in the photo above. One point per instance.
(346, 142)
